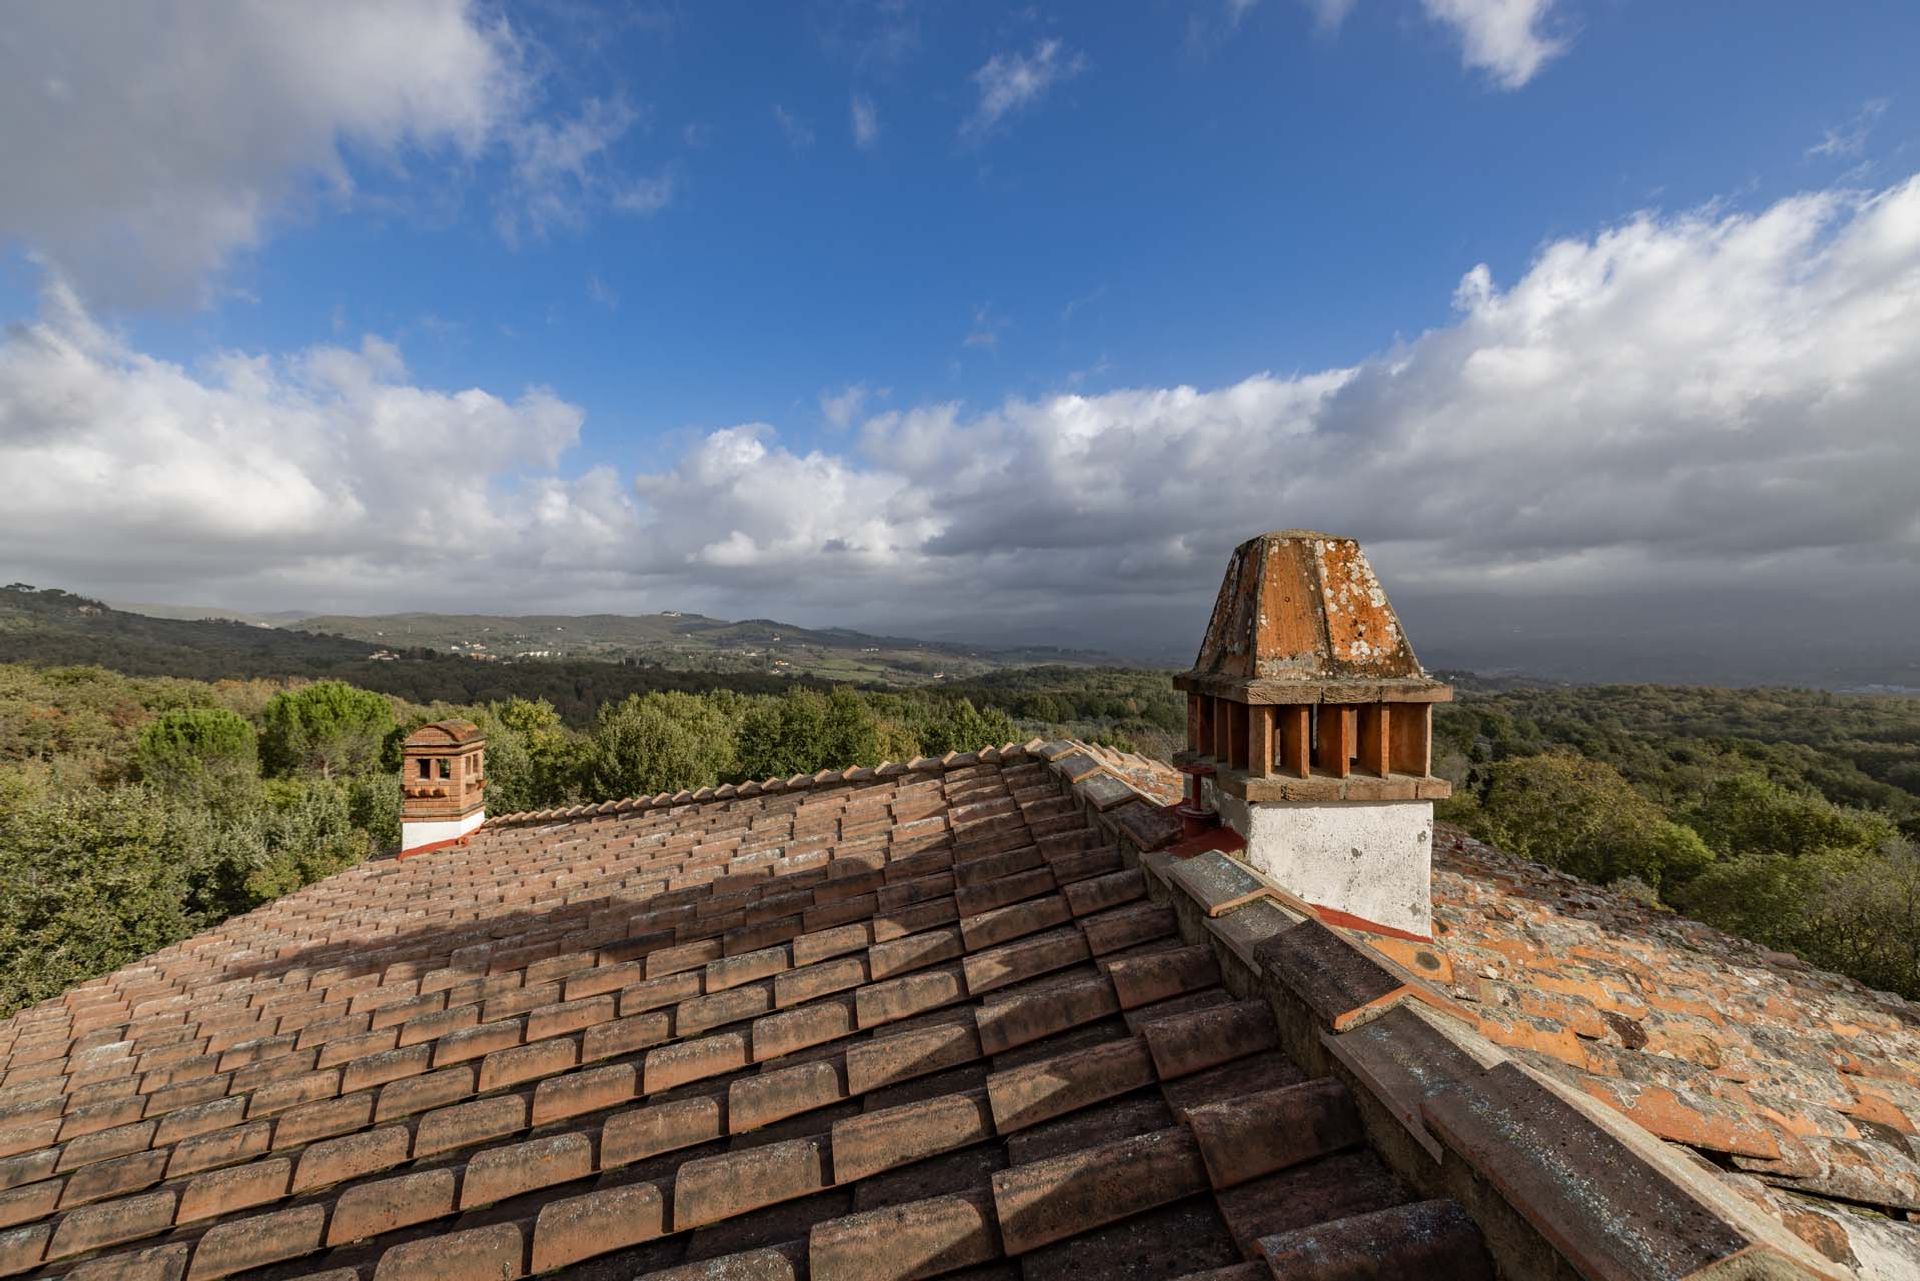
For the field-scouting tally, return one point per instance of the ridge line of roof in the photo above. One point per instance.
(1006, 753)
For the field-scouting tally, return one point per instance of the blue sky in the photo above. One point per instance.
(879, 243)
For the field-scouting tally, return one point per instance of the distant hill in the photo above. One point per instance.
(52, 628)
(429, 657)
(47, 625)
(214, 612)
(693, 642)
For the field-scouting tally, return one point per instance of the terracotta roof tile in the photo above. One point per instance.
(924, 1012)
(1806, 1078)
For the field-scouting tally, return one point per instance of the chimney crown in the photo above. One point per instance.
(1300, 614)
(442, 783)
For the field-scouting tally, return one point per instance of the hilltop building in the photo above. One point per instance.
(1038, 1010)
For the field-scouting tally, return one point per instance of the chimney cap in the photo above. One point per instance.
(449, 733)
(1300, 616)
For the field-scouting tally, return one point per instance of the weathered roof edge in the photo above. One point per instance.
(1558, 1183)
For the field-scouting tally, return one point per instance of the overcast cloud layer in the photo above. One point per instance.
(1706, 401)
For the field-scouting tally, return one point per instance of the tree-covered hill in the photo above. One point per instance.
(47, 627)
(574, 662)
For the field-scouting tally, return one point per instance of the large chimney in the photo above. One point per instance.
(442, 784)
(1316, 720)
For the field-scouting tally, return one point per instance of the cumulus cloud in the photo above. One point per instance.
(1504, 38)
(324, 465)
(144, 154)
(145, 151)
(1011, 81)
(1695, 402)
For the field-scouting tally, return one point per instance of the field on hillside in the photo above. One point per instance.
(688, 642)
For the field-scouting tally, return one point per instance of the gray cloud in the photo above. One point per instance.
(146, 153)
(1676, 409)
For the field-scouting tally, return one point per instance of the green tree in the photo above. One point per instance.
(555, 758)
(88, 882)
(306, 834)
(804, 731)
(956, 725)
(659, 743)
(192, 748)
(1750, 814)
(850, 733)
(328, 728)
(1583, 817)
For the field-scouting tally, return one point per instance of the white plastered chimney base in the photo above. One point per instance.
(1370, 859)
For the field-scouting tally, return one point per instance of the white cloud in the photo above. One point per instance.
(866, 122)
(1011, 81)
(744, 509)
(1329, 14)
(1691, 402)
(1850, 140)
(145, 154)
(798, 132)
(563, 171)
(601, 292)
(145, 151)
(1503, 38)
(324, 465)
(841, 407)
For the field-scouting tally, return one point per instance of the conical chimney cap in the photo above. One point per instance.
(1301, 617)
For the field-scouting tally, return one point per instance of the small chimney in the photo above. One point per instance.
(1317, 722)
(442, 784)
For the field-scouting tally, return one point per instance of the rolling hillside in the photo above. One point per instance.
(690, 642)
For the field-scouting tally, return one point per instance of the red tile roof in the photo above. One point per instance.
(922, 1021)
(1788, 1078)
(966, 1017)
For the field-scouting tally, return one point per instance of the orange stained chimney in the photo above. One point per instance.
(1311, 724)
(442, 784)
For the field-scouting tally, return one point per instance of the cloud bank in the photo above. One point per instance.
(1698, 402)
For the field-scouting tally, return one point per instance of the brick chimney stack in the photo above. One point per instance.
(442, 784)
(1316, 720)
